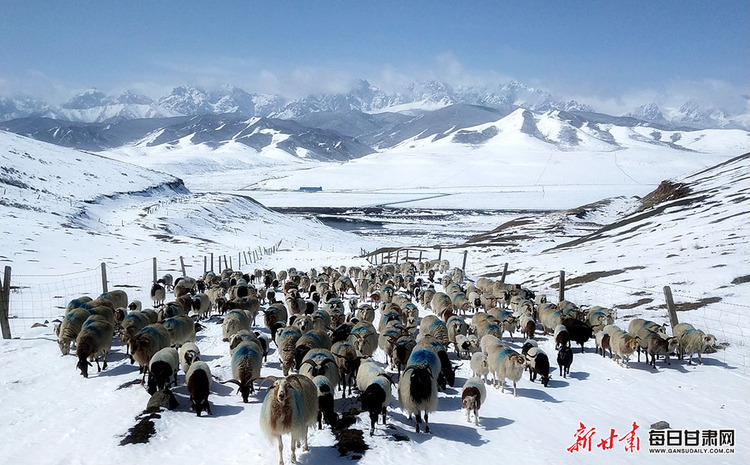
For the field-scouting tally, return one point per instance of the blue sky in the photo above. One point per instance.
(609, 54)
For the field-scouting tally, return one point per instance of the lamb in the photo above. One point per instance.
(290, 406)
(181, 329)
(145, 343)
(161, 368)
(188, 353)
(473, 395)
(68, 330)
(506, 363)
(538, 364)
(246, 364)
(693, 340)
(564, 360)
(655, 344)
(417, 388)
(479, 366)
(603, 343)
(198, 380)
(94, 339)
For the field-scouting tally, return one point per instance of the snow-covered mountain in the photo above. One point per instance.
(94, 106)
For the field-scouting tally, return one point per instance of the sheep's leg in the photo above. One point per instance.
(281, 451)
(515, 394)
(306, 447)
(468, 414)
(426, 423)
(476, 417)
(419, 420)
(383, 412)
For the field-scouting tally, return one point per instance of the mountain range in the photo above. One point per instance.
(93, 106)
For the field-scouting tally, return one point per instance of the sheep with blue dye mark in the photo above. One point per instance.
(473, 395)
(234, 321)
(506, 363)
(348, 361)
(308, 341)
(246, 365)
(418, 389)
(198, 381)
(93, 341)
(146, 342)
(286, 342)
(433, 326)
(320, 362)
(181, 329)
(163, 367)
(290, 406)
(364, 337)
(68, 330)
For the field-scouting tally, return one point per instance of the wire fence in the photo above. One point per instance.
(41, 299)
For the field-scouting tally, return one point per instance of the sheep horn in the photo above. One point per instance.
(267, 378)
(310, 361)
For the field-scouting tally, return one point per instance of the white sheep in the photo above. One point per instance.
(163, 366)
(234, 321)
(68, 330)
(506, 363)
(181, 329)
(189, 353)
(479, 366)
(693, 340)
(290, 406)
(376, 398)
(473, 395)
(246, 364)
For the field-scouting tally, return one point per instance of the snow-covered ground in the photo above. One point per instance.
(66, 212)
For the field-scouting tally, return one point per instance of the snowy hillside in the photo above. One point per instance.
(71, 210)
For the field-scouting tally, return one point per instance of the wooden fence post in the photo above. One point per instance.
(670, 306)
(212, 261)
(420, 256)
(104, 277)
(226, 264)
(5, 304)
(155, 275)
(205, 264)
(440, 253)
(463, 265)
(182, 266)
(397, 252)
(230, 263)
(505, 271)
(561, 295)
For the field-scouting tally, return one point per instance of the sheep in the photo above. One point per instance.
(198, 381)
(319, 361)
(435, 327)
(364, 338)
(181, 329)
(310, 340)
(234, 321)
(68, 330)
(578, 330)
(441, 303)
(348, 362)
(188, 353)
(564, 360)
(655, 344)
(276, 312)
(401, 351)
(473, 395)
(325, 402)
(640, 329)
(246, 365)
(417, 388)
(167, 281)
(145, 343)
(201, 305)
(456, 326)
(366, 312)
(94, 339)
(118, 298)
(506, 363)
(161, 368)
(466, 345)
(562, 337)
(538, 364)
(623, 345)
(376, 397)
(131, 324)
(603, 343)
(693, 340)
(290, 406)
(286, 342)
(183, 285)
(158, 294)
(479, 366)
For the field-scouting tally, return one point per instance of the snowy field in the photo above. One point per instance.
(64, 224)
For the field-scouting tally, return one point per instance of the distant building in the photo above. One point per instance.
(311, 189)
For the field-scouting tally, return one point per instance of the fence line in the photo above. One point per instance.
(40, 299)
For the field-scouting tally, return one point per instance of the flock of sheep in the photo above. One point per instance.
(327, 324)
